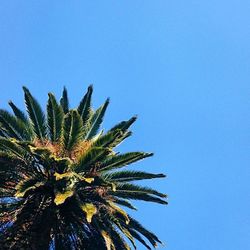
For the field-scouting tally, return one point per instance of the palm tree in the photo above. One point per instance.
(60, 187)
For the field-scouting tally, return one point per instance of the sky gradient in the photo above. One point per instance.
(182, 66)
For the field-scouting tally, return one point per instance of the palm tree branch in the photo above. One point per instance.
(54, 117)
(36, 115)
(125, 176)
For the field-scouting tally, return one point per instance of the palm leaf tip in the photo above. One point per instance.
(96, 120)
(36, 115)
(121, 160)
(72, 129)
(84, 108)
(18, 113)
(129, 187)
(136, 226)
(64, 101)
(124, 125)
(127, 176)
(54, 118)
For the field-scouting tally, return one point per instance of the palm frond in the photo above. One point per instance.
(64, 101)
(125, 231)
(26, 185)
(36, 115)
(85, 105)
(129, 187)
(121, 138)
(110, 219)
(139, 238)
(91, 159)
(126, 176)
(18, 113)
(9, 177)
(137, 196)
(13, 127)
(132, 191)
(119, 242)
(117, 134)
(124, 125)
(108, 140)
(96, 120)
(121, 160)
(123, 202)
(54, 117)
(72, 129)
(10, 164)
(135, 225)
(12, 147)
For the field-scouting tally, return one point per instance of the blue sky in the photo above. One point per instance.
(183, 67)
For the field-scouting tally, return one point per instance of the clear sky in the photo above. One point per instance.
(182, 66)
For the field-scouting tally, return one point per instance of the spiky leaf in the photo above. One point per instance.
(96, 120)
(36, 115)
(13, 127)
(72, 130)
(18, 113)
(118, 161)
(124, 125)
(64, 101)
(125, 176)
(85, 105)
(55, 118)
(91, 159)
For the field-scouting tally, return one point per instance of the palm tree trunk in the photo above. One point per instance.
(32, 228)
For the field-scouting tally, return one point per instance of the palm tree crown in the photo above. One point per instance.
(60, 187)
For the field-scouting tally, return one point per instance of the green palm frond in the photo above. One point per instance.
(107, 139)
(36, 115)
(10, 146)
(72, 129)
(55, 118)
(117, 238)
(139, 238)
(9, 163)
(13, 127)
(27, 185)
(91, 159)
(122, 226)
(135, 225)
(18, 113)
(118, 132)
(121, 138)
(109, 224)
(125, 176)
(124, 125)
(121, 160)
(85, 105)
(137, 196)
(96, 120)
(64, 101)
(123, 202)
(129, 187)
